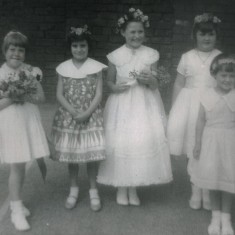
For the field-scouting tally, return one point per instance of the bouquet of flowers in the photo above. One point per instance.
(162, 75)
(18, 87)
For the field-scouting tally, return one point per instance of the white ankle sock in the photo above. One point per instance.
(214, 227)
(74, 191)
(16, 205)
(227, 228)
(196, 193)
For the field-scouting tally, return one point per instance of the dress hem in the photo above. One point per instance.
(135, 184)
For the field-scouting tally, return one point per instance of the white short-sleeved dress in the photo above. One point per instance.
(77, 142)
(183, 115)
(215, 169)
(136, 146)
(22, 137)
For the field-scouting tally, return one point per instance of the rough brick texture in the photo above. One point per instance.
(46, 22)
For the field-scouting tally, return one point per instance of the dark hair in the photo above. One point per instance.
(205, 27)
(223, 62)
(14, 38)
(73, 37)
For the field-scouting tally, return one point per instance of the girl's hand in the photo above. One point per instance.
(120, 87)
(73, 112)
(197, 151)
(146, 78)
(81, 117)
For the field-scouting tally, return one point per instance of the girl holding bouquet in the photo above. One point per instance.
(134, 118)
(22, 138)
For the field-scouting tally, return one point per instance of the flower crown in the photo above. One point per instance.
(80, 31)
(135, 14)
(206, 17)
(227, 61)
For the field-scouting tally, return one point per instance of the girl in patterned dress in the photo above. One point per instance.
(193, 78)
(77, 131)
(134, 118)
(22, 137)
(214, 151)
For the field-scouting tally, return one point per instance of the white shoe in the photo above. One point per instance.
(26, 211)
(133, 197)
(95, 203)
(122, 198)
(19, 221)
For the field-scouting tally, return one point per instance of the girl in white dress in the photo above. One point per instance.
(22, 138)
(192, 80)
(77, 130)
(214, 151)
(134, 118)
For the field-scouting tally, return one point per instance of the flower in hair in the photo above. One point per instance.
(135, 14)
(226, 61)
(80, 31)
(206, 17)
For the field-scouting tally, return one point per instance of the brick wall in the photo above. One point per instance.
(47, 21)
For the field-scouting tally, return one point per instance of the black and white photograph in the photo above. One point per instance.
(117, 117)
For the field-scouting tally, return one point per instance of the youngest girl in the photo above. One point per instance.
(214, 147)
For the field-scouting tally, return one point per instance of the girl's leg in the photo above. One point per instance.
(92, 171)
(206, 199)
(16, 179)
(195, 200)
(227, 228)
(122, 198)
(74, 190)
(16, 184)
(215, 198)
(133, 196)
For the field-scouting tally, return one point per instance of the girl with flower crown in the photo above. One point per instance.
(134, 119)
(22, 137)
(214, 150)
(193, 78)
(77, 131)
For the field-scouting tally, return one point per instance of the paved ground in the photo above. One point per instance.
(164, 209)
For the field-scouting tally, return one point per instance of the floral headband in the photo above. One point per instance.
(80, 31)
(227, 61)
(224, 61)
(133, 13)
(206, 17)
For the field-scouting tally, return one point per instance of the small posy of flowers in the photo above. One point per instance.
(133, 74)
(205, 17)
(19, 87)
(135, 14)
(162, 75)
(80, 31)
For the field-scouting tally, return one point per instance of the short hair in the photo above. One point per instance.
(74, 37)
(223, 62)
(15, 38)
(205, 27)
